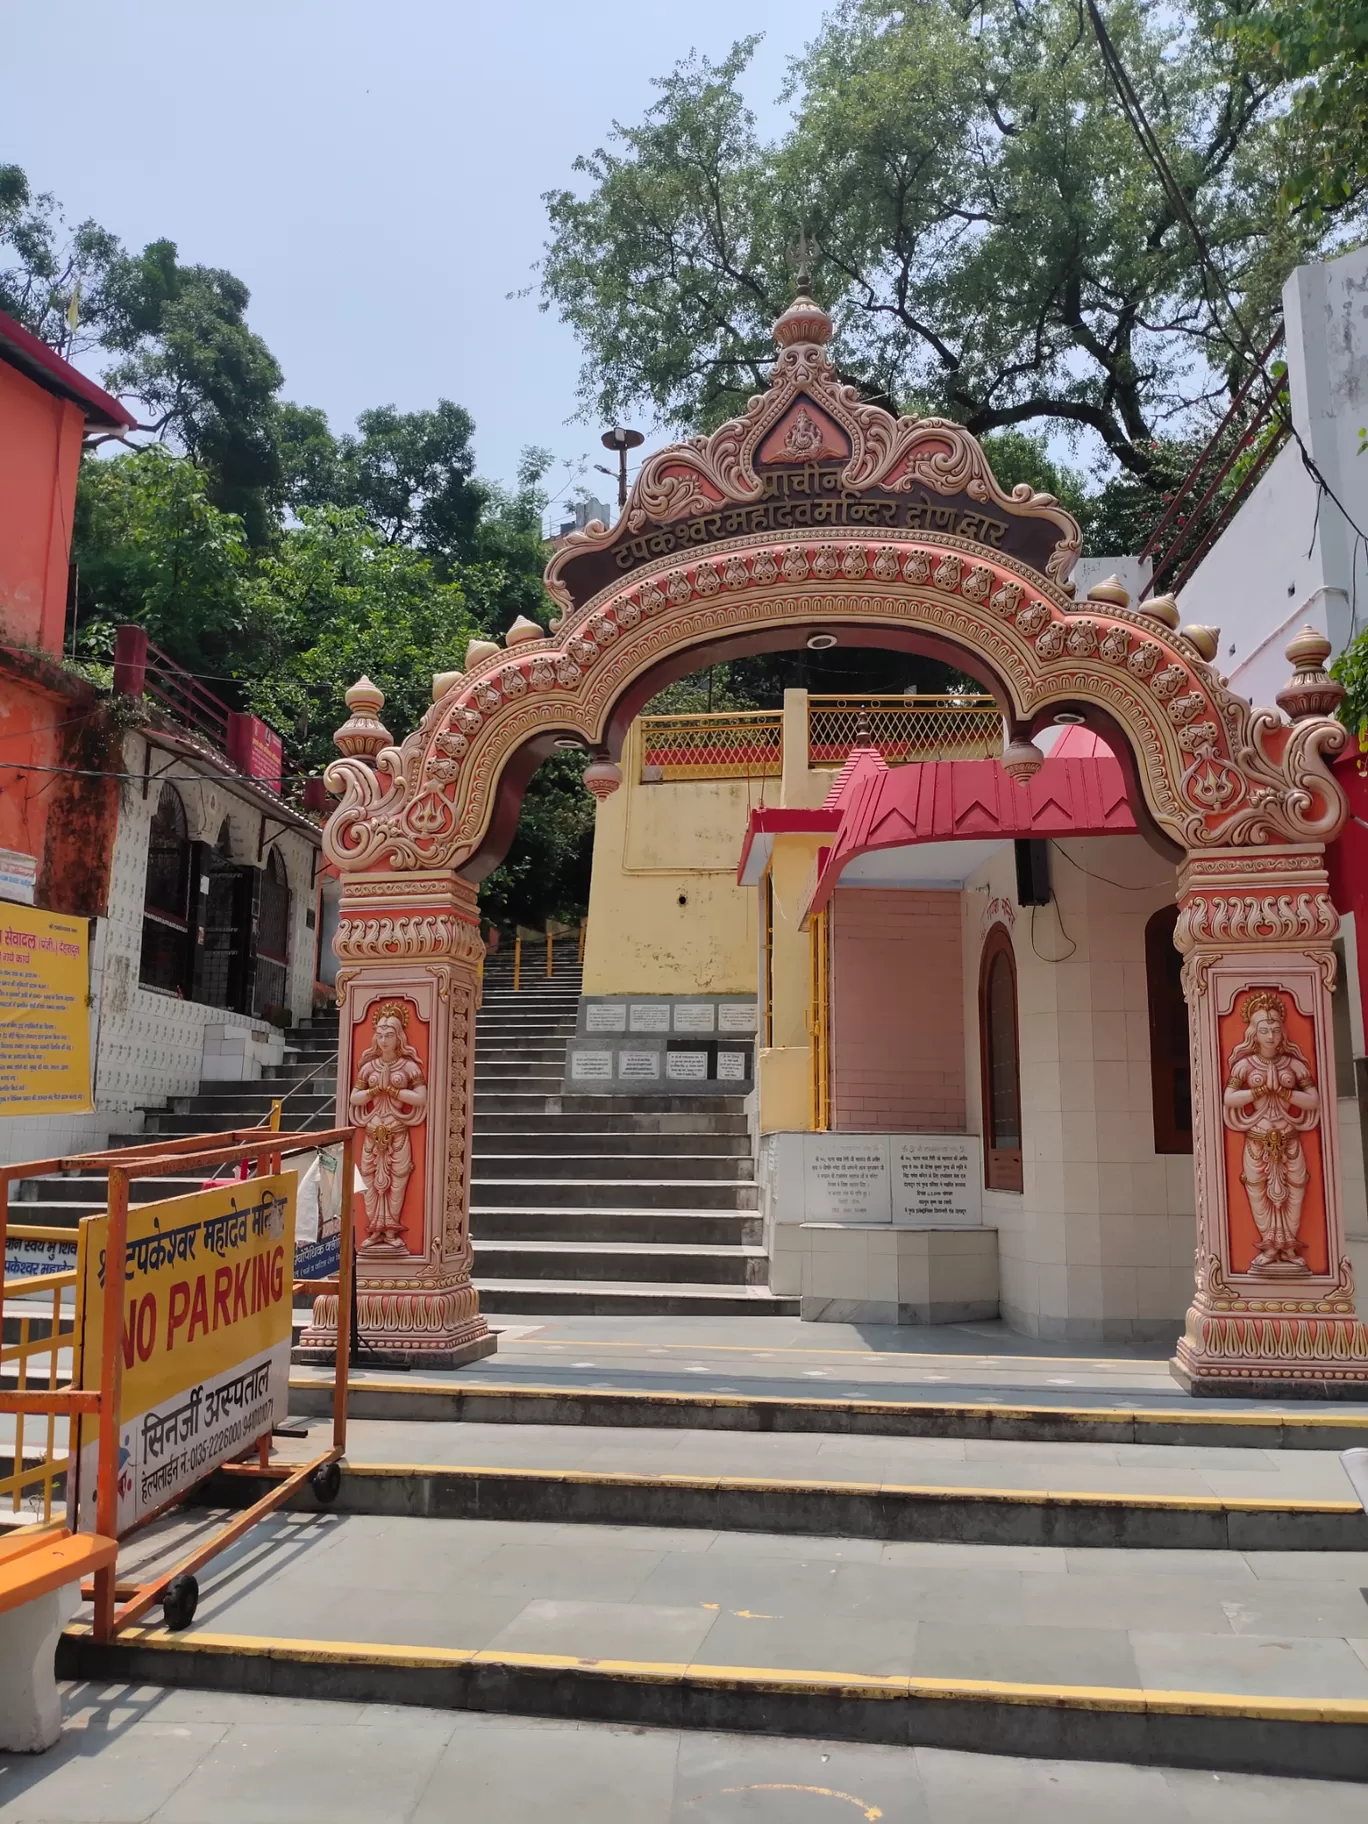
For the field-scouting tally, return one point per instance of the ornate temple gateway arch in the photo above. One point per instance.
(817, 513)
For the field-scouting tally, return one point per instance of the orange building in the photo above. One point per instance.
(55, 821)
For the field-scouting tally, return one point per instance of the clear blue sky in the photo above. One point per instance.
(373, 171)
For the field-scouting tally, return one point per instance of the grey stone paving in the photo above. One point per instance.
(782, 1357)
(1139, 1469)
(134, 1755)
(1275, 1624)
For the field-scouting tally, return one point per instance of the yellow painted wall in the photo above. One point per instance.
(652, 844)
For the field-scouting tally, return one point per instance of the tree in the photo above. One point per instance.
(209, 382)
(1322, 47)
(332, 600)
(984, 226)
(151, 548)
(51, 276)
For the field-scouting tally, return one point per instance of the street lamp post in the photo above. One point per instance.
(621, 439)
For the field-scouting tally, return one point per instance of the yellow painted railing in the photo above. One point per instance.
(819, 1021)
(33, 1362)
(733, 744)
(963, 727)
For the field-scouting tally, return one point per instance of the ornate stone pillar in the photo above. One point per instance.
(1273, 1312)
(409, 989)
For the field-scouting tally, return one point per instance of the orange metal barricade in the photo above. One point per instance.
(155, 1159)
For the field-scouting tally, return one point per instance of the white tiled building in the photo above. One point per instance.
(148, 1042)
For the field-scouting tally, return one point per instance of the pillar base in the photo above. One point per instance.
(1272, 1355)
(378, 1355)
(402, 1329)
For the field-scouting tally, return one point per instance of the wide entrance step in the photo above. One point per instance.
(1190, 1607)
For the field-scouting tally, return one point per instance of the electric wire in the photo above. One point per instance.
(1135, 115)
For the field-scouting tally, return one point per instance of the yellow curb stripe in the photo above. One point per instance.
(912, 1491)
(1078, 1415)
(799, 1680)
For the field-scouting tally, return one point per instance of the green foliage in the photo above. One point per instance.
(1351, 669)
(208, 380)
(332, 600)
(984, 226)
(546, 873)
(1322, 47)
(44, 264)
(152, 548)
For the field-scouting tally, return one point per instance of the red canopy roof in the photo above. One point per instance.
(20, 348)
(1079, 791)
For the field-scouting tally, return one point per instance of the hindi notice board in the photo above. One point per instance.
(44, 1025)
(206, 1340)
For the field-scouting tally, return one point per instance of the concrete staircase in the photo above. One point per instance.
(593, 1204)
(602, 1204)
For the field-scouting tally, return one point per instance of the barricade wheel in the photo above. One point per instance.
(179, 1602)
(325, 1482)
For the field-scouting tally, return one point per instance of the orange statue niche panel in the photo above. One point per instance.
(1271, 1106)
(388, 1104)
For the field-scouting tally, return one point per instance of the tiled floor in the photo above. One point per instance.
(145, 1756)
(1273, 1625)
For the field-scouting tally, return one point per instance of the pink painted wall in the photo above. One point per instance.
(897, 1019)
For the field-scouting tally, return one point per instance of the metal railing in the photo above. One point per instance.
(177, 690)
(967, 726)
(729, 744)
(41, 1333)
(1254, 429)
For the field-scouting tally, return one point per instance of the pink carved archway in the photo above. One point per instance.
(818, 511)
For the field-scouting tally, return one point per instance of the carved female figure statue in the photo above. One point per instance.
(1271, 1098)
(388, 1097)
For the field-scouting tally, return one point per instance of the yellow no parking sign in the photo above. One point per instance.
(206, 1336)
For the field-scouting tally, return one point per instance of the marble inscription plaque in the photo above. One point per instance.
(686, 1066)
(605, 1016)
(591, 1066)
(694, 1016)
(650, 1016)
(736, 1016)
(847, 1178)
(936, 1179)
(638, 1064)
(731, 1066)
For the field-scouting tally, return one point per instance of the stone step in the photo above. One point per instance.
(544, 1298)
(612, 1193)
(687, 1228)
(603, 1167)
(612, 1124)
(500, 1101)
(553, 1140)
(638, 1263)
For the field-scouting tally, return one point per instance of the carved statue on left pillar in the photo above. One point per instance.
(409, 989)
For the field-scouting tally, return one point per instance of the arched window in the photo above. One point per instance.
(1170, 1062)
(166, 950)
(999, 1052)
(273, 938)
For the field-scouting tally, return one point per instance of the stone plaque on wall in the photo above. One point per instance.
(591, 1066)
(605, 1016)
(847, 1178)
(732, 1066)
(694, 1016)
(687, 1066)
(936, 1179)
(636, 1065)
(650, 1016)
(736, 1016)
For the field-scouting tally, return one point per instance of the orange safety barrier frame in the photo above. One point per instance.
(118, 1606)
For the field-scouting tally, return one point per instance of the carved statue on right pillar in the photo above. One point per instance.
(1273, 1312)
